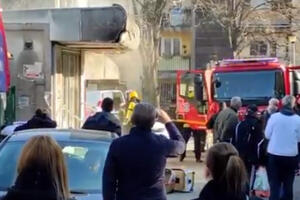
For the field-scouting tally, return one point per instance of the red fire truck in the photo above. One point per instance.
(199, 92)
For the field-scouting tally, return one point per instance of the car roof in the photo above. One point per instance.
(66, 135)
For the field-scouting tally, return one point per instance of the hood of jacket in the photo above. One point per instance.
(287, 111)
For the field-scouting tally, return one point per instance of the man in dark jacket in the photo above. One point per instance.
(248, 135)
(134, 168)
(39, 120)
(227, 120)
(104, 120)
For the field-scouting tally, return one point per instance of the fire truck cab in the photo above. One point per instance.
(200, 92)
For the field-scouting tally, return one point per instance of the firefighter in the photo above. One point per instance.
(133, 100)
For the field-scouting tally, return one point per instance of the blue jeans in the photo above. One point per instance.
(281, 172)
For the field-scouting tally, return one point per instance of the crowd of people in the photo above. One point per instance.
(135, 164)
(268, 139)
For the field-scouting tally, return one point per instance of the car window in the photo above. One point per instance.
(85, 162)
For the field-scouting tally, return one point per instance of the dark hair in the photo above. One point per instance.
(252, 109)
(107, 104)
(144, 115)
(40, 113)
(226, 167)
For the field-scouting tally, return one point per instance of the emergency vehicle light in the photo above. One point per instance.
(227, 62)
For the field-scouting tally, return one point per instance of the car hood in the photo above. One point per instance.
(97, 196)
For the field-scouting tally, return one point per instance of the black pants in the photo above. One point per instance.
(199, 141)
(281, 172)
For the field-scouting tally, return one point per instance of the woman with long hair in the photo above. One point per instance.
(227, 172)
(42, 172)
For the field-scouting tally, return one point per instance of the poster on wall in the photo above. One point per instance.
(33, 71)
(23, 102)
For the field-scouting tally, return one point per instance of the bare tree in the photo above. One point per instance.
(242, 21)
(149, 15)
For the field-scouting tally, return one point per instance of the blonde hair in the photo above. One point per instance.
(44, 152)
(226, 166)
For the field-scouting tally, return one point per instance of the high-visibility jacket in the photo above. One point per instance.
(130, 110)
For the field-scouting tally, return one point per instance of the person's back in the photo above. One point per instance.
(283, 132)
(32, 184)
(39, 120)
(41, 172)
(135, 164)
(225, 124)
(104, 120)
(227, 172)
(247, 137)
(140, 156)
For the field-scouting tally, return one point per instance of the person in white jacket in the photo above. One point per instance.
(283, 133)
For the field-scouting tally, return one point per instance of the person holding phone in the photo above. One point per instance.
(134, 168)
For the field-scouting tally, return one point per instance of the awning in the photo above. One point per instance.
(83, 27)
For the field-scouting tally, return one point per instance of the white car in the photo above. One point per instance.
(9, 130)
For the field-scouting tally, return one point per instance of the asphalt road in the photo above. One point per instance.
(199, 168)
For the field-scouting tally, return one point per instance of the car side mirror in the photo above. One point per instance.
(198, 87)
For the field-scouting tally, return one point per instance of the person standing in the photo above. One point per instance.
(227, 172)
(41, 172)
(104, 120)
(199, 141)
(227, 120)
(272, 108)
(283, 133)
(135, 164)
(212, 120)
(248, 135)
(132, 102)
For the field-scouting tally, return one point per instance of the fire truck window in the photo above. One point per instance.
(279, 85)
(296, 82)
(264, 85)
(182, 89)
(187, 85)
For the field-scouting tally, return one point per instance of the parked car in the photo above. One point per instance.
(9, 129)
(85, 153)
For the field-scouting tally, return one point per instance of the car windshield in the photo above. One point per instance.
(85, 162)
(250, 85)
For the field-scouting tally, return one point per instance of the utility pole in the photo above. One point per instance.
(194, 39)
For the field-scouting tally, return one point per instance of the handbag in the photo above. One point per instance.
(261, 187)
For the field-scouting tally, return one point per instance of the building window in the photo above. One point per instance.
(258, 48)
(167, 47)
(170, 47)
(280, 4)
(273, 49)
(176, 47)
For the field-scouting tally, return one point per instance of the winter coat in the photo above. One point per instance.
(37, 122)
(217, 191)
(266, 116)
(135, 164)
(225, 124)
(248, 136)
(32, 184)
(103, 121)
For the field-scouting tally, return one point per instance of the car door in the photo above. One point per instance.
(192, 102)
